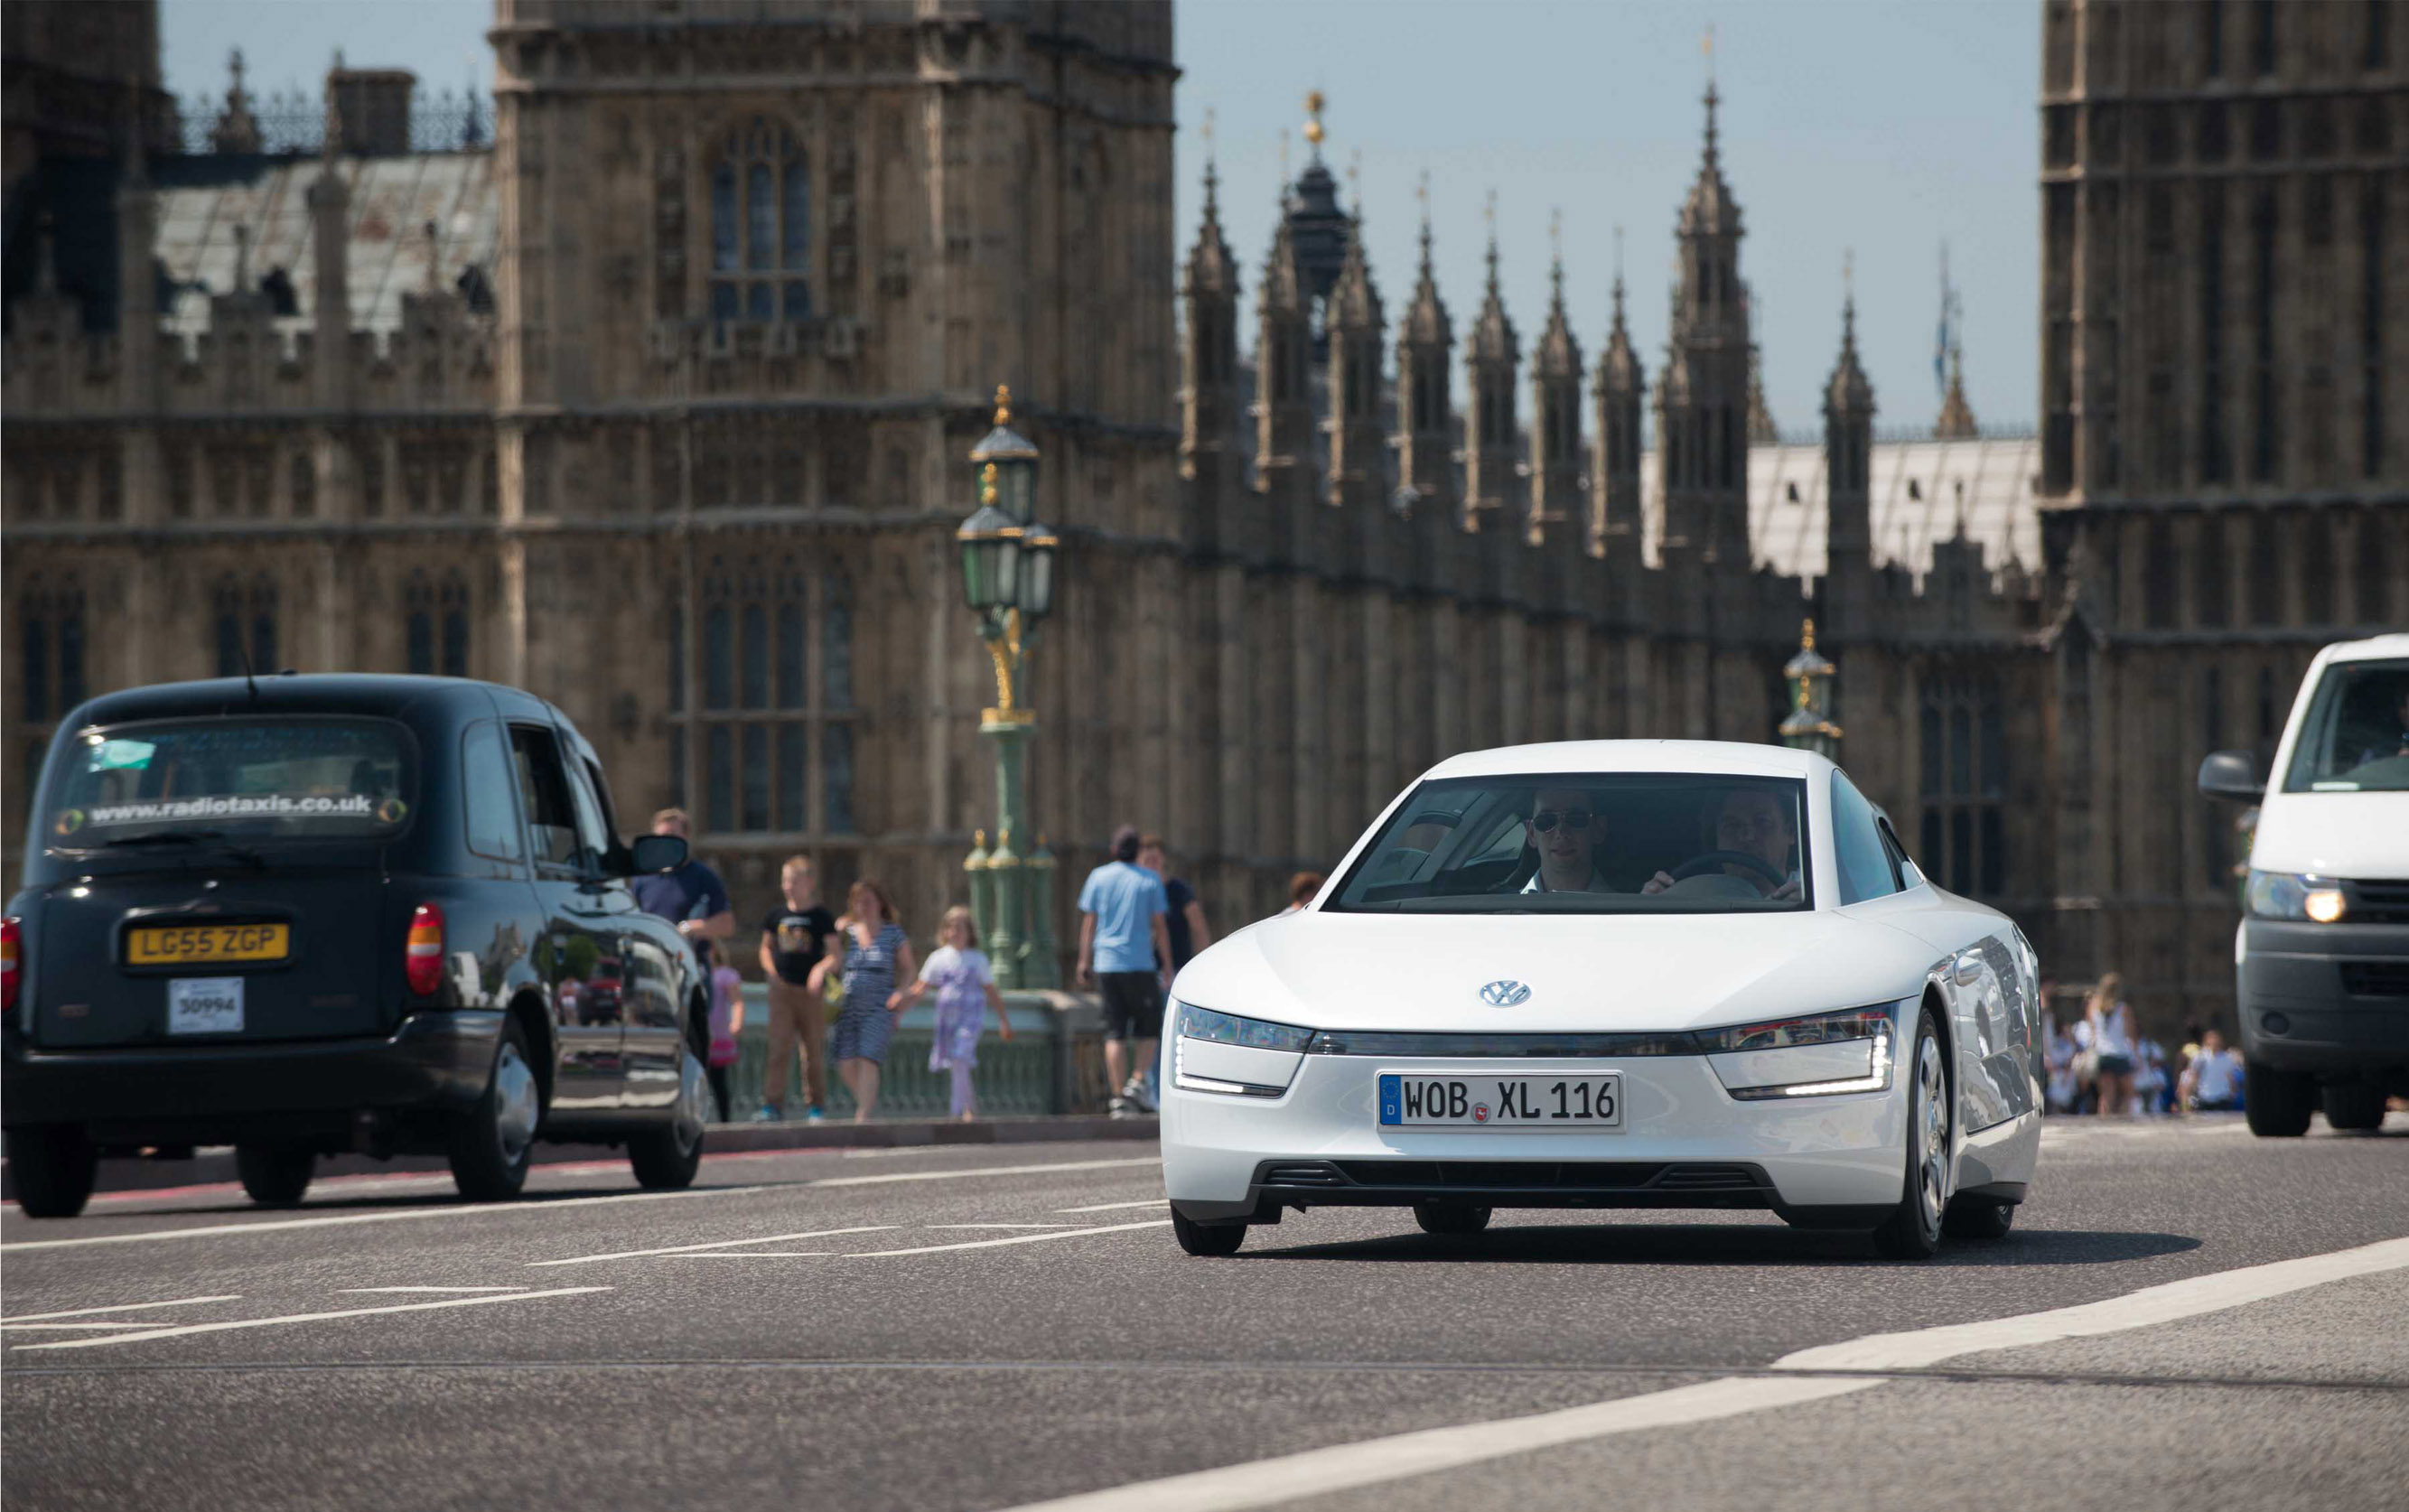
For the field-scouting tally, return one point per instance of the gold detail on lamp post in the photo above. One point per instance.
(1002, 404)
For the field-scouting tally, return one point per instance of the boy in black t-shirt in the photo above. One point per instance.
(794, 937)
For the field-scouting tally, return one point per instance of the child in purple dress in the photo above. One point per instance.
(965, 985)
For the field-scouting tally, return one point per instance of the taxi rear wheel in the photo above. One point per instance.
(1445, 1217)
(275, 1175)
(491, 1143)
(1211, 1240)
(52, 1167)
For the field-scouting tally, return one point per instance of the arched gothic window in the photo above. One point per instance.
(1963, 730)
(246, 623)
(763, 711)
(761, 226)
(436, 631)
(50, 650)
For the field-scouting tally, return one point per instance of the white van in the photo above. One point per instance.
(2321, 962)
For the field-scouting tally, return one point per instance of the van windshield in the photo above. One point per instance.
(256, 778)
(1588, 842)
(2355, 737)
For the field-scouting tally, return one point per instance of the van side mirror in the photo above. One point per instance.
(2232, 775)
(656, 853)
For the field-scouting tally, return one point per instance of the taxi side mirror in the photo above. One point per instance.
(656, 853)
(2232, 775)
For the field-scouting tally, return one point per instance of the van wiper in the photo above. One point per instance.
(189, 837)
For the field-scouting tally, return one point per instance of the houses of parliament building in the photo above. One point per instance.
(653, 394)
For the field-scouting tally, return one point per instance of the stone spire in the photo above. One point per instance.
(1425, 408)
(1848, 450)
(1356, 325)
(1491, 439)
(1956, 422)
(237, 129)
(1283, 371)
(1555, 393)
(1208, 294)
(1614, 482)
(1702, 403)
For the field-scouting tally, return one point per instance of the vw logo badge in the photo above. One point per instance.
(1504, 993)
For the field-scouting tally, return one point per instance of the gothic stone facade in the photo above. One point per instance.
(667, 422)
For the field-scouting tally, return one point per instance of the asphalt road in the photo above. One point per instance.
(986, 1328)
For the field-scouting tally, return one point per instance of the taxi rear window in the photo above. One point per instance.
(255, 778)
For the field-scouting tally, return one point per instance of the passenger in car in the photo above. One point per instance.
(1566, 828)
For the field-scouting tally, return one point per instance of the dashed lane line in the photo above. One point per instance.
(1290, 1478)
(348, 1291)
(1115, 1207)
(917, 1249)
(714, 1244)
(120, 1307)
(220, 1231)
(997, 1226)
(981, 1170)
(183, 1329)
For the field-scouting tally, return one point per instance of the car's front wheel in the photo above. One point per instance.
(669, 1157)
(275, 1175)
(2353, 1105)
(1210, 1241)
(52, 1167)
(1446, 1218)
(1912, 1231)
(491, 1143)
(2276, 1103)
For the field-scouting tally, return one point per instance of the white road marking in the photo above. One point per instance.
(980, 1171)
(120, 1307)
(380, 1290)
(1017, 1239)
(217, 1230)
(118, 1327)
(996, 1225)
(306, 1317)
(1115, 1207)
(1373, 1462)
(715, 1243)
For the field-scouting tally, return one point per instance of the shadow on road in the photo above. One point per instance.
(1558, 1244)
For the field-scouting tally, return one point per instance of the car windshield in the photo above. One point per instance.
(1588, 842)
(259, 779)
(2356, 736)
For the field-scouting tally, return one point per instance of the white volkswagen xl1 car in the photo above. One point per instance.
(1612, 973)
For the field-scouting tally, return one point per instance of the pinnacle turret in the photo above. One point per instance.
(1849, 392)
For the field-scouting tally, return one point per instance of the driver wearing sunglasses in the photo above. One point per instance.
(1564, 828)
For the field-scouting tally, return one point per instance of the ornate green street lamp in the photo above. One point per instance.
(1811, 674)
(1008, 582)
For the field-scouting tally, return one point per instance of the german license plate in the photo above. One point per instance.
(201, 943)
(1413, 1101)
(205, 1005)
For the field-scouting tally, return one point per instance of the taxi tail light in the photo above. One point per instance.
(12, 961)
(423, 957)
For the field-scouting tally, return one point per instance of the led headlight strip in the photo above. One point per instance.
(1203, 1024)
(1871, 1024)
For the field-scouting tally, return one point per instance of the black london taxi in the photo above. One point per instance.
(301, 915)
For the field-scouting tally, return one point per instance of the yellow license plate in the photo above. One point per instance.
(185, 944)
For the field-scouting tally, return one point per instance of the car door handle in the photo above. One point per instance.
(1969, 968)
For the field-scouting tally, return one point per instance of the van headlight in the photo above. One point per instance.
(2283, 895)
(1812, 1055)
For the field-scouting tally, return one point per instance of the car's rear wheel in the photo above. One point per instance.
(52, 1167)
(669, 1157)
(275, 1175)
(1450, 1218)
(491, 1143)
(1912, 1231)
(1978, 1217)
(2276, 1103)
(1210, 1241)
(2353, 1105)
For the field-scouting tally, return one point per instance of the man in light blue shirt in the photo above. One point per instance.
(1122, 935)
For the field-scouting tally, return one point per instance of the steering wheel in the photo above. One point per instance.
(1717, 860)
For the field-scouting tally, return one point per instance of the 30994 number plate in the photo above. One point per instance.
(1410, 1100)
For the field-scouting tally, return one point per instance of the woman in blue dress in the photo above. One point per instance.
(878, 954)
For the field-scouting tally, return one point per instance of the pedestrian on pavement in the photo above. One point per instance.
(795, 936)
(2213, 1082)
(1302, 889)
(1122, 937)
(692, 897)
(1185, 918)
(876, 952)
(966, 990)
(2113, 1044)
(2058, 1053)
(726, 1023)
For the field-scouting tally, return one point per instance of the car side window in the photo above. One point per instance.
(593, 835)
(1857, 845)
(603, 803)
(485, 784)
(1900, 865)
(543, 788)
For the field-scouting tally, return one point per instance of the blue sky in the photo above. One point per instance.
(1881, 126)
